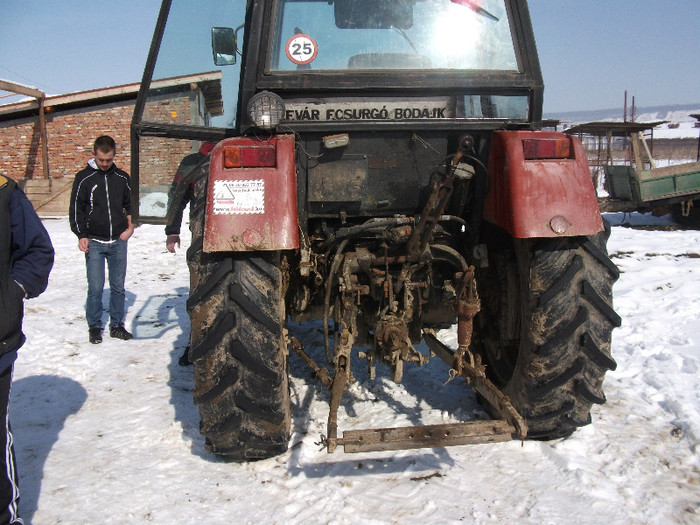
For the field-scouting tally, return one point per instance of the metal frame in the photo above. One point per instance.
(136, 132)
(426, 83)
(255, 78)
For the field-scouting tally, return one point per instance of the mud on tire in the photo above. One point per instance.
(237, 346)
(545, 327)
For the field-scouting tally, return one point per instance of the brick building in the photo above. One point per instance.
(73, 122)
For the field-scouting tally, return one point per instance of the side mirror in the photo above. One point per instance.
(224, 45)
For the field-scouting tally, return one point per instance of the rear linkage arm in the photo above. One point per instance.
(463, 363)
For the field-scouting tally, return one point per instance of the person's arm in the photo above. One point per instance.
(84, 244)
(126, 204)
(129, 230)
(171, 241)
(172, 229)
(32, 251)
(76, 213)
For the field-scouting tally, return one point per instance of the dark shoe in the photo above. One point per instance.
(119, 332)
(95, 334)
(185, 357)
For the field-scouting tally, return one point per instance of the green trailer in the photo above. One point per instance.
(630, 189)
(642, 186)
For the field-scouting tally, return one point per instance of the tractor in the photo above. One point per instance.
(380, 168)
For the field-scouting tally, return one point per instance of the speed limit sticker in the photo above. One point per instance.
(301, 49)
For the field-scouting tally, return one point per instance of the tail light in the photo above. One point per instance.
(262, 156)
(549, 148)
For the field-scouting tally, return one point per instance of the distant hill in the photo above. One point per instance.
(679, 123)
(672, 113)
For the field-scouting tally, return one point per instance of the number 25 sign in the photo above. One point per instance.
(301, 49)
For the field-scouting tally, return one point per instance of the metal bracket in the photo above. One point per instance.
(462, 362)
(476, 378)
(426, 436)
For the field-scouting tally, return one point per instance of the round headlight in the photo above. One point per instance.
(266, 110)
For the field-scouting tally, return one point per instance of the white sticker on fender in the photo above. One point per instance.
(236, 197)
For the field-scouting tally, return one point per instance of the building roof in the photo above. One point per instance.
(209, 83)
(616, 129)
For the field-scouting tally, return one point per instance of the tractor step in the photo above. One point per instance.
(426, 436)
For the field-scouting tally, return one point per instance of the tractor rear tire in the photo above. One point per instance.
(544, 330)
(237, 346)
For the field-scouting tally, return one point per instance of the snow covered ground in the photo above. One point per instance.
(680, 125)
(108, 433)
(684, 130)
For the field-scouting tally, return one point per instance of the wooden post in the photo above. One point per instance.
(44, 141)
(646, 149)
(637, 151)
(39, 96)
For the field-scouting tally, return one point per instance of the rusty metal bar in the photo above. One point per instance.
(426, 436)
(467, 306)
(320, 372)
(338, 387)
(478, 381)
(341, 379)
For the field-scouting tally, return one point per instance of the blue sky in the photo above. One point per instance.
(591, 51)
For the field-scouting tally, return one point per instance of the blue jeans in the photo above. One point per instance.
(115, 255)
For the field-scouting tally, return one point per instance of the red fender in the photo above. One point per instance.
(252, 195)
(540, 197)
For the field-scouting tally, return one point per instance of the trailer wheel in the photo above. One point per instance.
(545, 327)
(237, 346)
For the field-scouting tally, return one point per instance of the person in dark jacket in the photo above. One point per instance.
(187, 164)
(172, 228)
(26, 259)
(100, 215)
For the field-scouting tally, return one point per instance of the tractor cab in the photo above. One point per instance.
(223, 67)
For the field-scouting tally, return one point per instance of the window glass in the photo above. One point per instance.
(187, 89)
(400, 34)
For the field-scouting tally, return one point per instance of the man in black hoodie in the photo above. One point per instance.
(100, 215)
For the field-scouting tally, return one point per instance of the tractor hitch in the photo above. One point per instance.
(510, 426)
